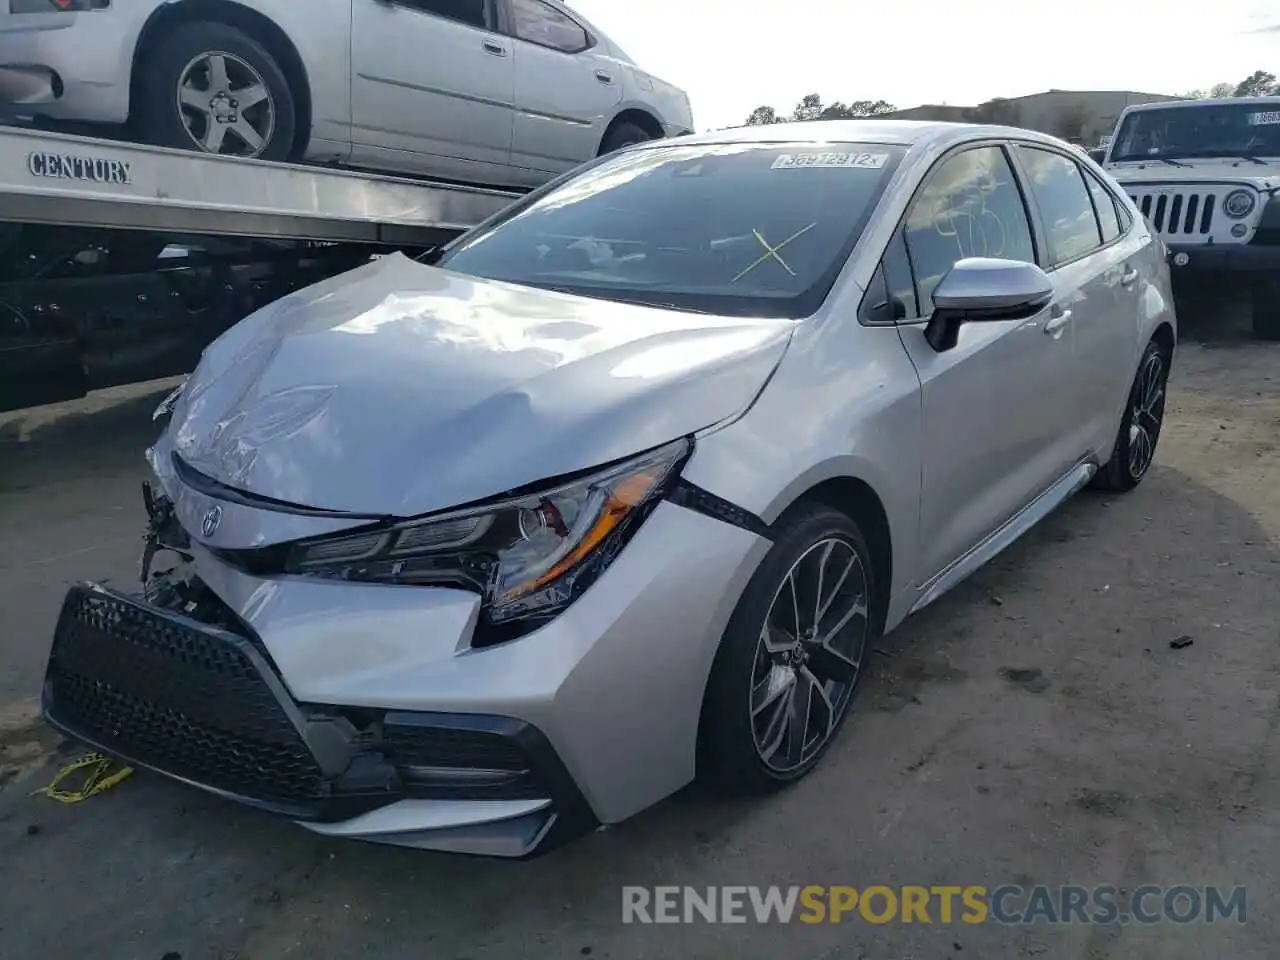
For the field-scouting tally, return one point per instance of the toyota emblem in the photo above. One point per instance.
(209, 525)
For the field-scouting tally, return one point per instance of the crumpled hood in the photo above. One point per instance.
(402, 389)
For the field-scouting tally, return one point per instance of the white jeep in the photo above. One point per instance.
(1206, 175)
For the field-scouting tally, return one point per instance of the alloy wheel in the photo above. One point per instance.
(1147, 415)
(808, 655)
(225, 105)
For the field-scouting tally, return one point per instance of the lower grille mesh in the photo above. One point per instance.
(168, 693)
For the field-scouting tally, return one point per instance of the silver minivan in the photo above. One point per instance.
(502, 92)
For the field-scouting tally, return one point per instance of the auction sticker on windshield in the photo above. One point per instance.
(864, 161)
(1264, 119)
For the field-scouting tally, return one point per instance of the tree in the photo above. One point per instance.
(809, 108)
(870, 108)
(1258, 84)
(837, 111)
(761, 116)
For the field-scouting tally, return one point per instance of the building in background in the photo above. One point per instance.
(1080, 116)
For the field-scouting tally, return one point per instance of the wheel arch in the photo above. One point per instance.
(642, 118)
(170, 16)
(858, 500)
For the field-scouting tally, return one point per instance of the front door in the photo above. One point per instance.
(567, 89)
(997, 404)
(432, 85)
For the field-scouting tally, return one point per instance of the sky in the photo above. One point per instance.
(734, 55)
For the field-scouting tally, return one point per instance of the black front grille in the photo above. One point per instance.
(203, 703)
(166, 692)
(1181, 214)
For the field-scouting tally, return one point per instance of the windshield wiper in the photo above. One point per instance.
(1254, 159)
(1172, 163)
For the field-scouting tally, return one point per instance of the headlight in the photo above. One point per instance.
(1239, 204)
(529, 557)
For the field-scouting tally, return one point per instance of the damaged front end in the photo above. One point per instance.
(174, 681)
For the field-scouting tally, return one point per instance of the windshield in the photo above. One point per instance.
(735, 229)
(1220, 130)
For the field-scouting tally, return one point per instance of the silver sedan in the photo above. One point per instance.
(477, 555)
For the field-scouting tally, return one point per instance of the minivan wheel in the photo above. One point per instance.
(1140, 426)
(212, 88)
(621, 135)
(791, 655)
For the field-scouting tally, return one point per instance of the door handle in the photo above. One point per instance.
(1129, 276)
(1059, 319)
(604, 77)
(497, 49)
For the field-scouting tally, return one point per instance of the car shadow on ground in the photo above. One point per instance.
(995, 683)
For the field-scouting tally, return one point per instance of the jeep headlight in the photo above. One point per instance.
(529, 556)
(1239, 204)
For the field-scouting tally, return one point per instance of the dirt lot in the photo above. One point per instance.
(1034, 726)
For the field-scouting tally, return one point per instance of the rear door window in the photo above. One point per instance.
(1105, 205)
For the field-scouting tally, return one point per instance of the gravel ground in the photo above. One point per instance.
(1034, 726)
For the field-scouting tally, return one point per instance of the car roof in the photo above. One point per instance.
(905, 133)
(1211, 102)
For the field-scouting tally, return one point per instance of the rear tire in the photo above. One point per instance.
(623, 134)
(1135, 446)
(210, 87)
(764, 679)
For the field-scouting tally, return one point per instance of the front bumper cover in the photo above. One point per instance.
(203, 704)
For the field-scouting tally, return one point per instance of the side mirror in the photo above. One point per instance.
(1097, 156)
(978, 290)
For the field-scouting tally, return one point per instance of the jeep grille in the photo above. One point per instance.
(1175, 214)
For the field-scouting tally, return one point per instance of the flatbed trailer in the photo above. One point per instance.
(121, 262)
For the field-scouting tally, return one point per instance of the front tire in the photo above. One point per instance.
(791, 655)
(212, 88)
(1135, 446)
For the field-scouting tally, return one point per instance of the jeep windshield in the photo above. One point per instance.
(737, 229)
(1226, 130)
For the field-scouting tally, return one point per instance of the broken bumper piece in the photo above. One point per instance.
(203, 704)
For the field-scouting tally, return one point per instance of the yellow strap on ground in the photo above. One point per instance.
(98, 775)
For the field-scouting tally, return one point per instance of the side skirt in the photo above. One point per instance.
(1002, 537)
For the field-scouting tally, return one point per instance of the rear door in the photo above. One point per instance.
(1108, 348)
(432, 86)
(567, 88)
(995, 405)
(1095, 282)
